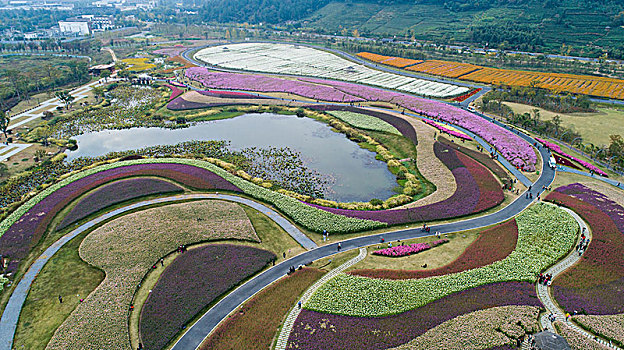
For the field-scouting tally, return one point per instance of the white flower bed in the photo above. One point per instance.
(299, 60)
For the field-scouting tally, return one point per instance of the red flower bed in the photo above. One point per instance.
(24, 234)
(363, 333)
(565, 161)
(116, 192)
(594, 285)
(257, 321)
(466, 96)
(492, 245)
(175, 91)
(490, 193)
(191, 283)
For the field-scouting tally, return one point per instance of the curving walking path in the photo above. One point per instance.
(545, 296)
(10, 316)
(282, 339)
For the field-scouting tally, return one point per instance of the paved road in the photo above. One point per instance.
(584, 173)
(10, 316)
(11, 149)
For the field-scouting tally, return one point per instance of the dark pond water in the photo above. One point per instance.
(354, 172)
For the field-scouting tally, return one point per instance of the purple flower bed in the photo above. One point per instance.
(445, 130)
(180, 104)
(261, 83)
(229, 94)
(24, 234)
(511, 146)
(603, 299)
(462, 202)
(191, 283)
(116, 192)
(594, 285)
(404, 250)
(350, 332)
(402, 125)
(555, 148)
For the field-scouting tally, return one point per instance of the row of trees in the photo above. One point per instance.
(612, 154)
(542, 98)
(19, 84)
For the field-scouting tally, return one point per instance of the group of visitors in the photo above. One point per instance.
(582, 246)
(544, 279)
(425, 228)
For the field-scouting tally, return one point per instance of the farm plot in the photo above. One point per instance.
(306, 61)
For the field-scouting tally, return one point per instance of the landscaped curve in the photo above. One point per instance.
(114, 193)
(492, 245)
(545, 234)
(318, 330)
(477, 190)
(193, 281)
(593, 286)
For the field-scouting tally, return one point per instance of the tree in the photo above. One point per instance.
(43, 133)
(98, 92)
(105, 74)
(40, 154)
(4, 123)
(65, 96)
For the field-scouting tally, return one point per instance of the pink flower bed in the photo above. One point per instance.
(261, 83)
(511, 146)
(445, 130)
(170, 51)
(555, 148)
(175, 91)
(404, 250)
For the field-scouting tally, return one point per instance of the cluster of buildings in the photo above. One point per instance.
(85, 25)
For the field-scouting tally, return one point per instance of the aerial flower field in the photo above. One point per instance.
(308, 61)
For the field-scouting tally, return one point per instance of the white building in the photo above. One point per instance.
(74, 27)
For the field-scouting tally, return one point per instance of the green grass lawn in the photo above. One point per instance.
(594, 127)
(66, 275)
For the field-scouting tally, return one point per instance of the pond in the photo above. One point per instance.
(354, 173)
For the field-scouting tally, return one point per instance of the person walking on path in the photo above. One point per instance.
(339, 246)
(299, 304)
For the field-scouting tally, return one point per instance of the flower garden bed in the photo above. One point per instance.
(555, 148)
(481, 157)
(497, 326)
(192, 282)
(261, 83)
(459, 135)
(576, 340)
(126, 248)
(255, 324)
(513, 148)
(175, 91)
(23, 229)
(364, 121)
(400, 124)
(116, 192)
(318, 330)
(477, 190)
(405, 250)
(464, 97)
(609, 326)
(593, 285)
(545, 235)
(492, 245)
